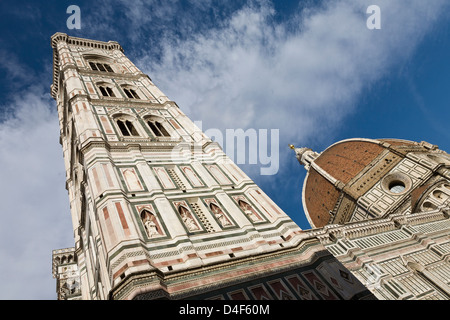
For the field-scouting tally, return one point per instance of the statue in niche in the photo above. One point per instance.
(219, 215)
(248, 210)
(187, 219)
(152, 229)
(149, 222)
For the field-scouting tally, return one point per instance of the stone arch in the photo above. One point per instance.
(126, 124)
(440, 195)
(158, 126)
(99, 62)
(107, 89)
(131, 91)
(429, 206)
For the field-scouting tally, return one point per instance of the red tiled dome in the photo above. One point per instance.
(342, 161)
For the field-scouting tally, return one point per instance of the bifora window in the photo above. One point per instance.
(157, 128)
(97, 66)
(127, 128)
(131, 93)
(106, 91)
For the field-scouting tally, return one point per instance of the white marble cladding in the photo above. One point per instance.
(407, 263)
(377, 201)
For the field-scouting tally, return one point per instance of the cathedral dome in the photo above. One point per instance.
(334, 173)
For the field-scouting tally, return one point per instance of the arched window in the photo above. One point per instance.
(157, 128)
(428, 206)
(106, 91)
(131, 93)
(441, 196)
(161, 129)
(98, 66)
(126, 127)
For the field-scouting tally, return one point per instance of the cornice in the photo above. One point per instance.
(122, 102)
(359, 229)
(62, 37)
(102, 74)
(310, 250)
(125, 146)
(59, 36)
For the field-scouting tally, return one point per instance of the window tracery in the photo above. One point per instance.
(126, 125)
(99, 66)
(131, 93)
(156, 127)
(106, 91)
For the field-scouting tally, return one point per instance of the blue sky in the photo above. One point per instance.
(310, 69)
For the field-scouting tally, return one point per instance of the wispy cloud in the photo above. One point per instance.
(252, 71)
(249, 65)
(34, 204)
(237, 65)
(13, 69)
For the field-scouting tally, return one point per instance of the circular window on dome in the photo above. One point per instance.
(396, 183)
(396, 187)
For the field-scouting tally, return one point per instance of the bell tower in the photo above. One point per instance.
(158, 210)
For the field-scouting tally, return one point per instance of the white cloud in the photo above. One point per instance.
(251, 71)
(302, 76)
(34, 207)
